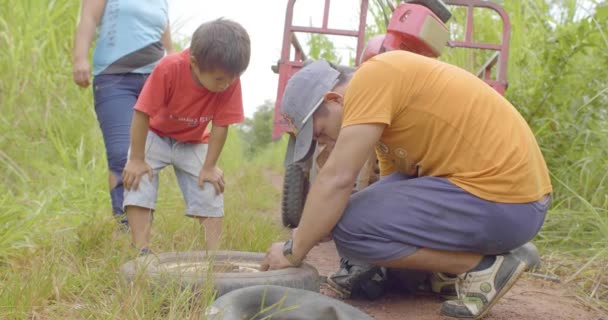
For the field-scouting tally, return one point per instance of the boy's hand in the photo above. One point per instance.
(213, 175)
(82, 73)
(134, 170)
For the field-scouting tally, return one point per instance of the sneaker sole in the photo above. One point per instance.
(518, 272)
(339, 290)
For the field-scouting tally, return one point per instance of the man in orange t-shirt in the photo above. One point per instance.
(185, 92)
(463, 179)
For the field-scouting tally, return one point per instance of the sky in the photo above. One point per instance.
(264, 21)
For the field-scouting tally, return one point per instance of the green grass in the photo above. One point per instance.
(60, 254)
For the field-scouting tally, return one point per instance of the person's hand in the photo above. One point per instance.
(214, 176)
(134, 170)
(82, 73)
(275, 259)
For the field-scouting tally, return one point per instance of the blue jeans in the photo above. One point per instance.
(115, 95)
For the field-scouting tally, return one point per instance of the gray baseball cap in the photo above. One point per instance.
(304, 93)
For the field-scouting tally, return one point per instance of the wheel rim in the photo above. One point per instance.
(203, 266)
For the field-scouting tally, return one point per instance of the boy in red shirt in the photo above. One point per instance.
(185, 92)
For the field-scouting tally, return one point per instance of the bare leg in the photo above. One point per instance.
(437, 261)
(213, 231)
(140, 223)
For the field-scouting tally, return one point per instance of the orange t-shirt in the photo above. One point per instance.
(180, 108)
(443, 121)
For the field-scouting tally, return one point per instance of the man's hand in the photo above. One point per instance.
(275, 259)
(82, 73)
(214, 176)
(134, 170)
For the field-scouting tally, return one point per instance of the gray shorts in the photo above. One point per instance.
(397, 215)
(187, 160)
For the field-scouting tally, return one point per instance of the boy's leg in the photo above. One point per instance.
(114, 97)
(140, 223)
(202, 203)
(140, 204)
(213, 230)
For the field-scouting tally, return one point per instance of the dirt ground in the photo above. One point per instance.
(529, 299)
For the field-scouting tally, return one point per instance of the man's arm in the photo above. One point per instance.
(210, 172)
(332, 187)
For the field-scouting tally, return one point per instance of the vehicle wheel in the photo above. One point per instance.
(226, 270)
(295, 189)
(275, 302)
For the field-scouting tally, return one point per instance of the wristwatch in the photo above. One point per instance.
(288, 254)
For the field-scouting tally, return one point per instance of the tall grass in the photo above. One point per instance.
(564, 98)
(60, 252)
(555, 83)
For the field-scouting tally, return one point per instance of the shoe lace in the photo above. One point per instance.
(463, 284)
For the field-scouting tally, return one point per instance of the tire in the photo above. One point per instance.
(160, 269)
(274, 302)
(295, 189)
(436, 6)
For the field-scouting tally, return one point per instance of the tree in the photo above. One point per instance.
(257, 131)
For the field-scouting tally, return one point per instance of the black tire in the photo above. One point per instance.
(157, 268)
(295, 189)
(275, 302)
(437, 7)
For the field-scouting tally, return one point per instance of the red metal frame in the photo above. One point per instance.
(286, 67)
(502, 49)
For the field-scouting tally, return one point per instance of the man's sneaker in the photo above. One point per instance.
(443, 285)
(478, 291)
(357, 280)
(529, 254)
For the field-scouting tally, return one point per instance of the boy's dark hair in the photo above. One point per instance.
(221, 44)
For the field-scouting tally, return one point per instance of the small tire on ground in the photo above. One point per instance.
(157, 269)
(295, 189)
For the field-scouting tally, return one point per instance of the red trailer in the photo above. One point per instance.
(420, 26)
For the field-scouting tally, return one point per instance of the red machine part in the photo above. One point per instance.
(416, 28)
(412, 27)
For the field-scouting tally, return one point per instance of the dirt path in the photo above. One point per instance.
(529, 299)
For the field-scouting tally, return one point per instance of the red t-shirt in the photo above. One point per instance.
(180, 108)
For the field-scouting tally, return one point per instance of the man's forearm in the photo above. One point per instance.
(139, 133)
(324, 207)
(217, 139)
